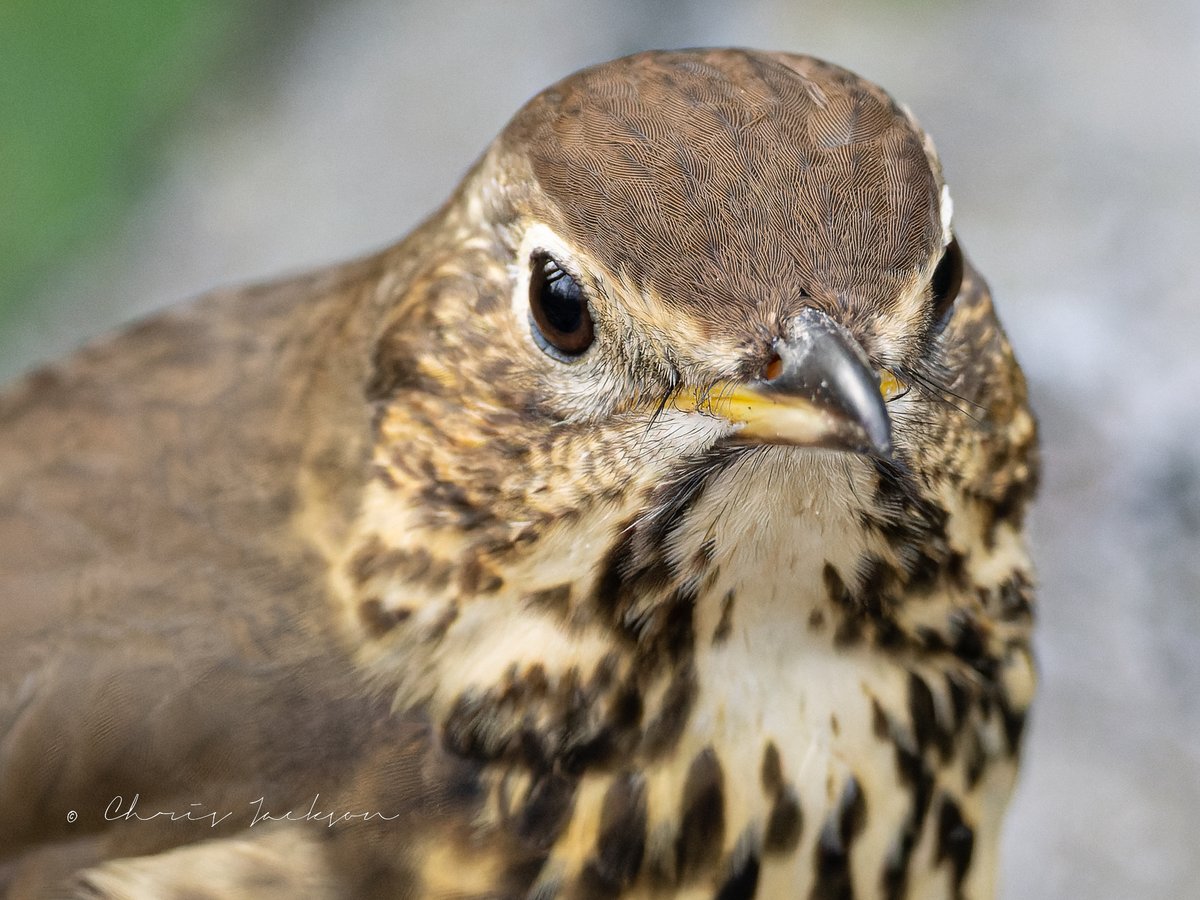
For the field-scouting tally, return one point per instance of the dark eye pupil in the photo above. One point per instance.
(946, 281)
(562, 303)
(562, 323)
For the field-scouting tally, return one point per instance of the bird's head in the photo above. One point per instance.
(685, 300)
(757, 237)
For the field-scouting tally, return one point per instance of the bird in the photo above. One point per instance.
(648, 522)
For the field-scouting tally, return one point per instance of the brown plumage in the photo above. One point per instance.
(568, 548)
(713, 155)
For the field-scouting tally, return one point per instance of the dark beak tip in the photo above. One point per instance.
(827, 365)
(884, 451)
(881, 440)
(868, 441)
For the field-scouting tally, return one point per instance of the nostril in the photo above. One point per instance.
(773, 369)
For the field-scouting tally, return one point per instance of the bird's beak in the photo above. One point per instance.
(819, 391)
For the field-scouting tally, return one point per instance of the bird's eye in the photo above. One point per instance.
(562, 323)
(947, 279)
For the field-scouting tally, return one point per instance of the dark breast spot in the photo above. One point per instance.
(664, 730)
(621, 843)
(742, 883)
(974, 757)
(702, 816)
(913, 772)
(476, 577)
(879, 721)
(546, 810)
(379, 619)
(843, 825)
(772, 769)
(377, 560)
(785, 823)
(1015, 598)
(1014, 726)
(835, 588)
(557, 599)
(479, 727)
(372, 558)
(923, 712)
(956, 839)
(781, 831)
(968, 641)
(849, 626)
(959, 693)
(1012, 714)
(725, 623)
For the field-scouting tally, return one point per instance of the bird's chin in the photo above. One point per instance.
(796, 449)
(781, 464)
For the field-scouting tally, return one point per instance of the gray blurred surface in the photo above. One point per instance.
(1071, 137)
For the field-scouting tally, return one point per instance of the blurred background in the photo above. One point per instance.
(153, 149)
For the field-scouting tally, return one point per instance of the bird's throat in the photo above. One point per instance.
(779, 636)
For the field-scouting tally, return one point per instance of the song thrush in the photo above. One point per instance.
(647, 523)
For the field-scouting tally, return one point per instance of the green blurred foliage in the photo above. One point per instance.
(86, 88)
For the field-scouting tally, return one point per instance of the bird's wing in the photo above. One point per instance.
(165, 633)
